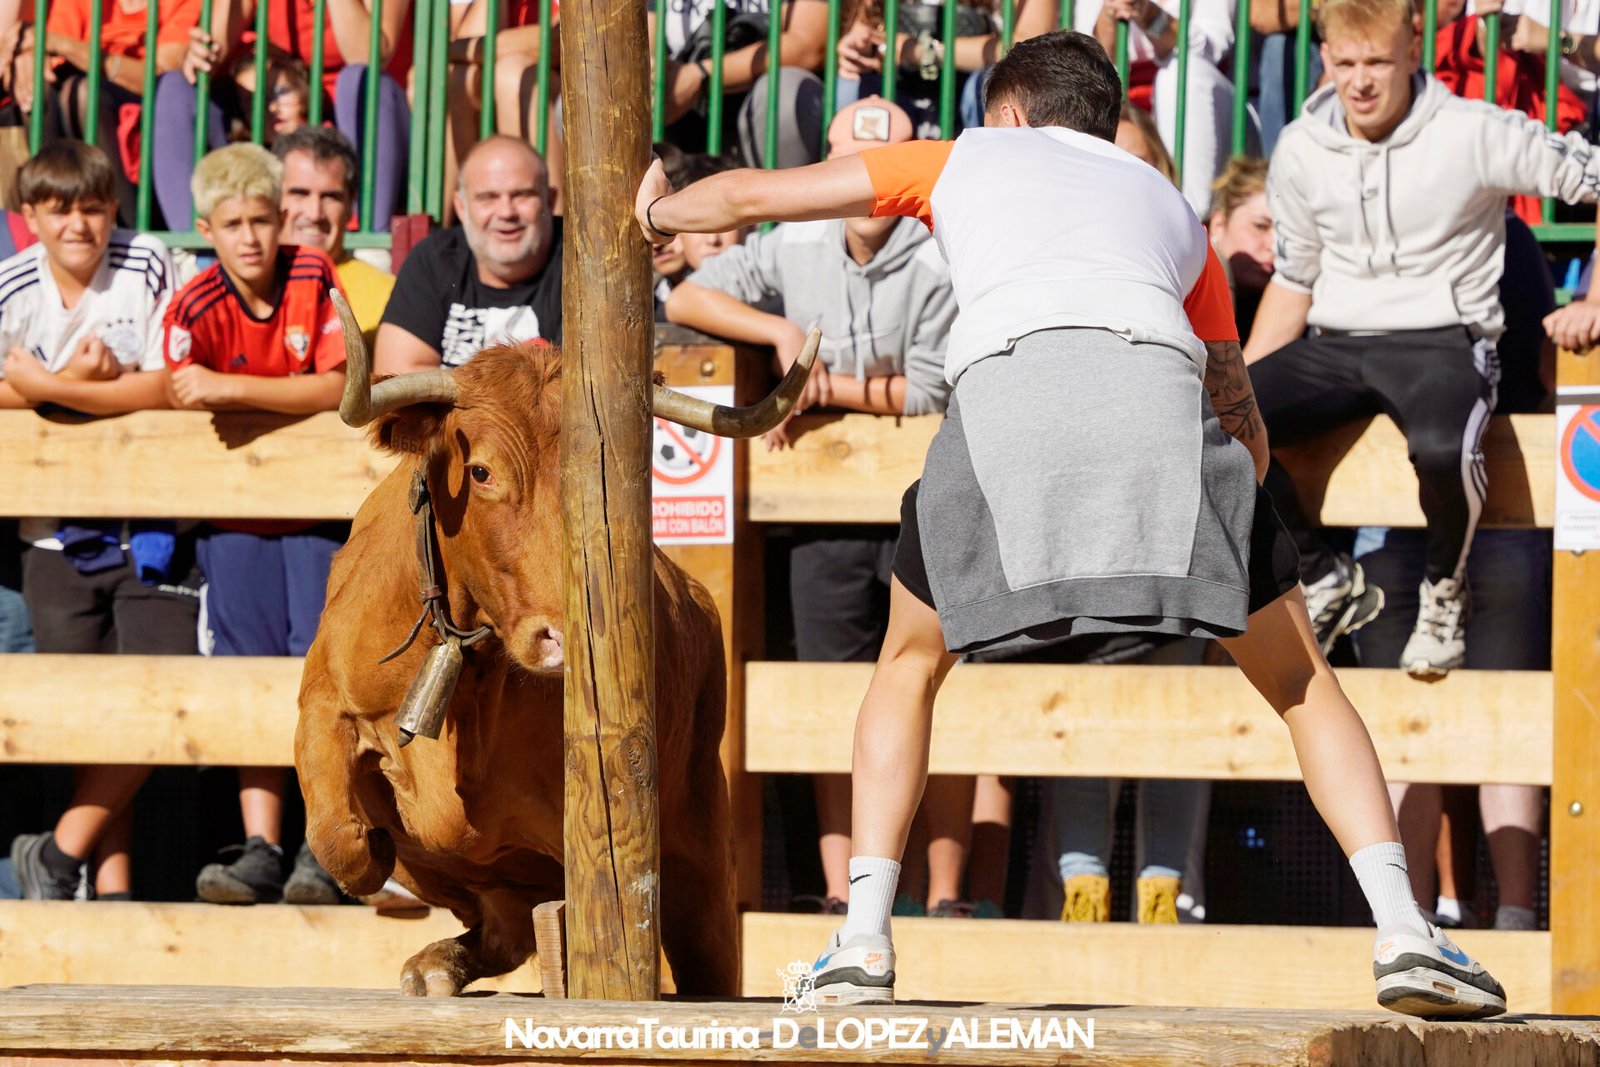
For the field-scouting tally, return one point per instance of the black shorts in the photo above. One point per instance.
(1274, 563)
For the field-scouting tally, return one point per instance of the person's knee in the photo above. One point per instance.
(1437, 453)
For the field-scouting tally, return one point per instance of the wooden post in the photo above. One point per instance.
(1575, 784)
(613, 843)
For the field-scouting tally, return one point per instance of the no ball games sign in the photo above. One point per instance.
(692, 472)
(1578, 468)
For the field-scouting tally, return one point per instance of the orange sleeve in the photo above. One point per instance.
(903, 177)
(176, 22)
(1209, 304)
(68, 19)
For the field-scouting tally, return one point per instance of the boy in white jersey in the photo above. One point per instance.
(80, 315)
(1094, 474)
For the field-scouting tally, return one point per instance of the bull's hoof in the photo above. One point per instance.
(437, 971)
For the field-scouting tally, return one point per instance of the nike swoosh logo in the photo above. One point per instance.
(822, 961)
(858, 878)
(1455, 956)
(1399, 867)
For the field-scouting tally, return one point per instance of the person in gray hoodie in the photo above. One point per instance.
(1388, 196)
(881, 293)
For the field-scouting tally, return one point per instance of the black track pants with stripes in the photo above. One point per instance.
(1437, 385)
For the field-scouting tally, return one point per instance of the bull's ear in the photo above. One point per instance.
(410, 430)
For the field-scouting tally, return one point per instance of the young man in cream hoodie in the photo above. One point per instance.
(1388, 196)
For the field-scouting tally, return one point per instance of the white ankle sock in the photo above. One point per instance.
(872, 884)
(1448, 908)
(1381, 870)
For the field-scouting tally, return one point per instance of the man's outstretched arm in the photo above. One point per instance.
(837, 189)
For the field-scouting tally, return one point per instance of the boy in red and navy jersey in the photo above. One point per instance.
(257, 331)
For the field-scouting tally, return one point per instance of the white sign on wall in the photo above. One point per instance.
(692, 472)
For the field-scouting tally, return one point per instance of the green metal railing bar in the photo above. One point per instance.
(658, 87)
(369, 116)
(438, 110)
(1069, 11)
(1302, 57)
(541, 119)
(947, 73)
(1241, 75)
(1552, 86)
(1121, 57)
(486, 86)
(258, 103)
(891, 51)
(719, 33)
(418, 163)
(1182, 112)
(1430, 33)
(774, 81)
(147, 117)
(41, 15)
(202, 102)
(319, 36)
(1008, 24)
(830, 72)
(1491, 55)
(91, 126)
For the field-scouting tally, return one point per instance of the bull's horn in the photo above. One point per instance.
(362, 401)
(749, 421)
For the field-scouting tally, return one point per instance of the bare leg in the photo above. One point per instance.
(1280, 656)
(1417, 808)
(113, 867)
(261, 802)
(894, 726)
(947, 805)
(833, 832)
(103, 790)
(1511, 822)
(991, 839)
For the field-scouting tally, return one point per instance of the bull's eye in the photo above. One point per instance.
(479, 473)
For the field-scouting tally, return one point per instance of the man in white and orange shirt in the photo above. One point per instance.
(1094, 474)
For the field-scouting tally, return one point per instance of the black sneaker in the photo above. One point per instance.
(256, 877)
(308, 883)
(34, 879)
(954, 909)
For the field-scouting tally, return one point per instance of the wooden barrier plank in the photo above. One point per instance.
(185, 464)
(1124, 963)
(1206, 722)
(1142, 722)
(270, 945)
(854, 468)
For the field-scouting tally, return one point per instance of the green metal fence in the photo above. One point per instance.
(431, 35)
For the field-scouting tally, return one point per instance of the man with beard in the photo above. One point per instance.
(495, 279)
(319, 191)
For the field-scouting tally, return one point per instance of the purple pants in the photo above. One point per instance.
(176, 102)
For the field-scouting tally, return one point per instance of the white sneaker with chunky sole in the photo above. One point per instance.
(858, 971)
(1430, 976)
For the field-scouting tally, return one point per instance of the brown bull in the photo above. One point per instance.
(473, 820)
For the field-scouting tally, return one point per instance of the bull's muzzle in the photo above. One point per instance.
(364, 401)
(422, 710)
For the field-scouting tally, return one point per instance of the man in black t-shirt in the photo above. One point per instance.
(495, 279)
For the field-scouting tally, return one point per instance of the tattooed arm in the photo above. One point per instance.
(1228, 384)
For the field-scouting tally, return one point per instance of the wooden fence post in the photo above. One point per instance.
(1575, 782)
(613, 845)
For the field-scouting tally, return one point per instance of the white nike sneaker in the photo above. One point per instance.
(1438, 645)
(858, 971)
(1430, 976)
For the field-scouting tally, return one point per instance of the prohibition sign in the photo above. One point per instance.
(1580, 451)
(683, 457)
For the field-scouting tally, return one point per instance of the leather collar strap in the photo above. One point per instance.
(435, 605)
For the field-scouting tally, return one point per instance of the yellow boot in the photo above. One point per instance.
(1158, 899)
(1088, 899)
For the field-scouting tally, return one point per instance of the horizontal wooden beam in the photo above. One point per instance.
(223, 711)
(854, 468)
(208, 944)
(1155, 722)
(1202, 966)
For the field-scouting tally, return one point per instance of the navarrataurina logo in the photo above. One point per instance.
(799, 987)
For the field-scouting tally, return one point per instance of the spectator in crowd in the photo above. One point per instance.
(290, 30)
(122, 41)
(881, 294)
(1153, 77)
(1509, 629)
(1527, 37)
(1241, 234)
(319, 192)
(80, 320)
(257, 331)
(919, 50)
(746, 76)
(1277, 22)
(674, 260)
(1137, 136)
(494, 279)
(1402, 249)
(516, 77)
